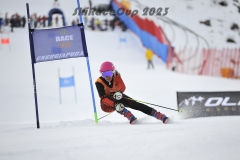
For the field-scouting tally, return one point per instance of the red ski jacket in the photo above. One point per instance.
(107, 89)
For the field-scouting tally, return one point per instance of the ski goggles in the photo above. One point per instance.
(107, 73)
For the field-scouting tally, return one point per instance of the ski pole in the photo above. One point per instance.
(154, 104)
(105, 115)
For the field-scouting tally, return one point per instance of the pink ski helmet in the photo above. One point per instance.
(106, 66)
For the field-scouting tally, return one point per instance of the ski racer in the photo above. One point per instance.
(111, 87)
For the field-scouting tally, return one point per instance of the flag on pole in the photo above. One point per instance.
(5, 41)
(123, 39)
(67, 82)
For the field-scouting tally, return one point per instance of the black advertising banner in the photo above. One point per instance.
(205, 104)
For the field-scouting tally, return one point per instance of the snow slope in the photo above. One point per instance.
(189, 14)
(68, 131)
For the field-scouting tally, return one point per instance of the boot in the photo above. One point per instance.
(160, 116)
(128, 115)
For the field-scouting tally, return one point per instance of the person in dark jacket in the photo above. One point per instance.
(111, 87)
(13, 23)
(23, 21)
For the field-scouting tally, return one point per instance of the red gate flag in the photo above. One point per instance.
(5, 41)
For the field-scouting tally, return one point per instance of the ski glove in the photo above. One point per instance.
(117, 95)
(119, 107)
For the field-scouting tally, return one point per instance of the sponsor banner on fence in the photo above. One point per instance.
(57, 43)
(204, 104)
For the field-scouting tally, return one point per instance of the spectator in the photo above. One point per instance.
(149, 55)
(1, 21)
(32, 21)
(98, 23)
(90, 4)
(44, 18)
(106, 23)
(73, 23)
(39, 21)
(23, 21)
(12, 22)
(18, 20)
(85, 20)
(92, 24)
(114, 22)
(56, 21)
(6, 19)
(56, 3)
(122, 25)
(35, 20)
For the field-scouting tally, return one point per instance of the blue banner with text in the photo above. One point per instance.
(58, 43)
